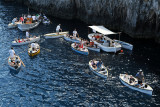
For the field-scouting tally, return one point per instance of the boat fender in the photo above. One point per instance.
(121, 51)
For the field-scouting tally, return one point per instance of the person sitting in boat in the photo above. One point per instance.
(34, 46)
(21, 19)
(45, 17)
(93, 64)
(19, 41)
(76, 45)
(140, 77)
(23, 40)
(27, 35)
(12, 53)
(131, 80)
(17, 61)
(91, 43)
(75, 33)
(71, 36)
(58, 28)
(29, 16)
(34, 19)
(14, 20)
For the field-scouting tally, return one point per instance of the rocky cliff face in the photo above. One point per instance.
(138, 18)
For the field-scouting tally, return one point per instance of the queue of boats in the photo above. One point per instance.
(100, 40)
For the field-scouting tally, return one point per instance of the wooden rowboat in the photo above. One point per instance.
(55, 35)
(25, 41)
(34, 52)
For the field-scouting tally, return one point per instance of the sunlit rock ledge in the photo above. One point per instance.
(138, 18)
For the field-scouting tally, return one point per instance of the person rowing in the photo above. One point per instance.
(75, 33)
(140, 77)
(58, 28)
(27, 35)
(12, 53)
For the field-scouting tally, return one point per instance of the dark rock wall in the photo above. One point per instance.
(138, 18)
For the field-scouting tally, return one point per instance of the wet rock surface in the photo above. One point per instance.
(138, 18)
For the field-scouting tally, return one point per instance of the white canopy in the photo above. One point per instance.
(102, 29)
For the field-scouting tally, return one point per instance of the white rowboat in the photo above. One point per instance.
(103, 72)
(12, 66)
(125, 79)
(55, 35)
(33, 39)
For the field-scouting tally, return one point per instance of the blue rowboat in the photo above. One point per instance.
(83, 51)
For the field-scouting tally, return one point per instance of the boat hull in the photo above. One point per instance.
(55, 35)
(27, 42)
(12, 69)
(93, 49)
(25, 27)
(33, 54)
(149, 92)
(71, 40)
(125, 45)
(96, 72)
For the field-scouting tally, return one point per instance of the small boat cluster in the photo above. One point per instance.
(98, 40)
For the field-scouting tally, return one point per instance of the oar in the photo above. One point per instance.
(46, 49)
(21, 61)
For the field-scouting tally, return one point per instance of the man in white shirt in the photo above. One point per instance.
(58, 28)
(12, 53)
(34, 46)
(75, 33)
(27, 35)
